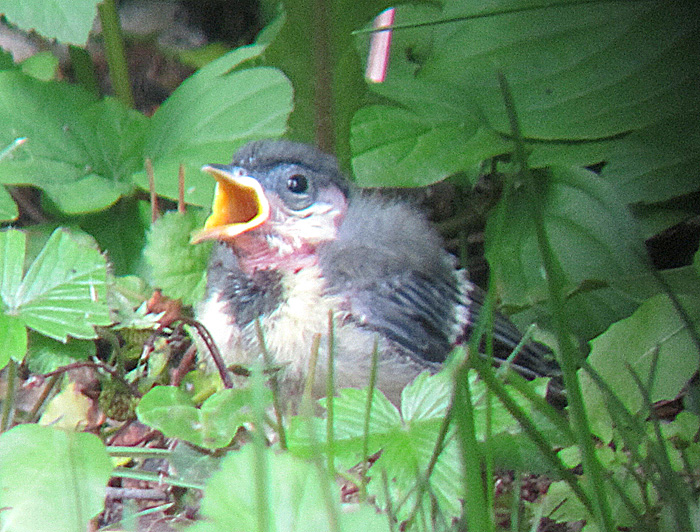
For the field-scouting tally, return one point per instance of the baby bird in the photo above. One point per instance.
(300, 250)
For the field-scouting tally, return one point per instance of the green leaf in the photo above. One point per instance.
(176, 266)
(170, 410)
(658, 162)
(80, 151)
(294, 491)
(42, 65)
(69, 21)
(212, 113)
(120, 232)
(396, 147)
(13, 339)
(576, 71)
(407, 439)
(655, 329)
(46, 354)
(589, 229)
(8, 207)
(51, 480)
(582, 77)
(12, 246)
(63, 291)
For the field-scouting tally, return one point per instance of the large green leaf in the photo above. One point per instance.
(589, 229)
(654, 330)
(582, 76)
(434, 132)
(595, 305)
(69, 21)
(396, 147)
(292, 502)
(658, 162)
(576, 71)
(211, 114)
(51, 480)
(63, 291)
(80, 151)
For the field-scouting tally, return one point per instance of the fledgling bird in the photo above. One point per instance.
(296, 242)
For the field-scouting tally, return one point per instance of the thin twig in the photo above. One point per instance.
(152, 190)
(212, 348)
(34, 414)
(181, 207)
(184, 366)
(8, 403)
(368, 413)
(96, 365)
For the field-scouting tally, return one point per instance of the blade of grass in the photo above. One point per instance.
(674, 491)
(8, 403)
(389, 510)
(476, 511)
(368, 413)
(311, 374)
(556, 282)
(544, 446)
(274, 385)
(487, 14)
(262, 488)
(155, 477)
(330, 393)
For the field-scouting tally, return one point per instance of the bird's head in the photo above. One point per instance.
(276, 203)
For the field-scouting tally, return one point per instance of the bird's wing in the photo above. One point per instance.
(533, 360)
(390, 268)
(418, 313)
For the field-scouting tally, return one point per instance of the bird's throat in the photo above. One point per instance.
(256, 252)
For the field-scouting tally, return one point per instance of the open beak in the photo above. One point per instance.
(239, 205)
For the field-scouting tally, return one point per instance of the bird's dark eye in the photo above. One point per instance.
(298, 184)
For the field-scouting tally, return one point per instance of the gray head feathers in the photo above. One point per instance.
(263, 155)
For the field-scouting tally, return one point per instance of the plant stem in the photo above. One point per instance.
(8, 403)
(114, 50)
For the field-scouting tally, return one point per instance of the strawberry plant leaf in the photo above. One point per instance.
(293, 490)
(13, 339)
(45, 354)
(82, 152)
(62, 293)
(51, 479)
(407, 439)
(69, 21)
(170, 410)
(209, 115)
(175, 265)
